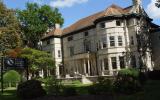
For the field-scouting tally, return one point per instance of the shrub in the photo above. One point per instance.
(12, 77)
(69, 91)
(53, 86)
(134, 73)
(104, 86)
(142, 78)
(127, 81)
(30, 89)
(154, 75)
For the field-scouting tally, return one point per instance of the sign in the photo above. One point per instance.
(15, 62)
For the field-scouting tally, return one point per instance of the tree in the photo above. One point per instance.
(38, 60)
(9, 29)
(36, 20)
(157, 3)
(12, 77)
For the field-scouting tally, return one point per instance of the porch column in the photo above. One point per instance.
(118, 63)
(110, 67)
(89, 67)
(102, 70)
(84, 66)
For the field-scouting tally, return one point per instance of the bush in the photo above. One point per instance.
(154, 75)
(53, 86)
(104, 86)
(127, 81)
(30, 89)
(134, 73)
(69, 91)
(12, 77)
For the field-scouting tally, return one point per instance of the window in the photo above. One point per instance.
(70, 38)
(48, 42)
(114, 62)
(132, 40)
(71, 50)
(120, 43)
(121, 61)
(112, 41)
(59, 53)
(118, 23)
(104, 42)
(133, 61)
(102, 25)
(87, 45)
(85, 33)
(106, 64)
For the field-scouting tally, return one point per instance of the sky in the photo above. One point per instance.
(73, 10)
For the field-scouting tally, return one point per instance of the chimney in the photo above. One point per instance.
(137, 2)
(57, 25)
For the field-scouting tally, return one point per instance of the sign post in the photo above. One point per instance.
(13, 63)
(2, 65)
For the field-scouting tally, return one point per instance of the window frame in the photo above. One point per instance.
(114, 62)
(118, 23)
(102, 25)
(70, 38)
(120, 41)
(104, 42)
(59, 53)
(86, 33)
(48, 42)
(132, 40)
(71, 51)
(112, 42)
(122, 62)
(106, 65)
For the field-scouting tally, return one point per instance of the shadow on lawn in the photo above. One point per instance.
(9, 94)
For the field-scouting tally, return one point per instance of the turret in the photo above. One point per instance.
(137, 5)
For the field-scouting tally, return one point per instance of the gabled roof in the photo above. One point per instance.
(83, 23)
(55, 32)
(88, 21)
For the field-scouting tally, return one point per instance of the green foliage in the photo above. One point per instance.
(157, 3)
(9, 29)
(30, 89)
(69, 91)
(104, 86)
(127, 81)
(35, 20)
(129, 72)
(12, 77)
(53, 86)
(37, 59)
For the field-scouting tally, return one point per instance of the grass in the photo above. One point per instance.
(9, 94)
(151, 92)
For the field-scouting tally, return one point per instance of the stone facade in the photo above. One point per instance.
(99, 45)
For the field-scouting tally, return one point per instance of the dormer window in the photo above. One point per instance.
(70, 38)
(85, 33)
(102, 25)
(118, 23)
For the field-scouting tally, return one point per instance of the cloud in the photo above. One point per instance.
(40, 2)
(152, 10)
(66, 3)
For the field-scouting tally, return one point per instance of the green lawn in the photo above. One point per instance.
(151, 92)
(9, 94)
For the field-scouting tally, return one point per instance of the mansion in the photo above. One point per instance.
(103, 43)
